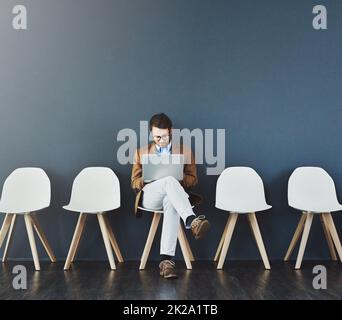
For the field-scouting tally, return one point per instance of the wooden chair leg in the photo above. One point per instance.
(5, 226)
(230, 229)
(113, 240)
(75, 240)
(184, 248)
(330, 242)
(258, 238)
(219, 248)
(296, 236)
(331, 226)
(105, 235)
(9, 238)
(42, 238)
(79, 236)
(149, 241)
(30, 234)
(191, 255)
(304, 240)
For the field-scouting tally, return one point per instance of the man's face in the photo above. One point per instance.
(161, 136)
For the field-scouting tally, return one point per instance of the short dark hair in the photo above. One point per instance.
(161, 121)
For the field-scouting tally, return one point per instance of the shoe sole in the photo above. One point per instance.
(203, 230)
(171, 276)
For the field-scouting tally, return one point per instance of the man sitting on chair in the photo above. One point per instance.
(168, 193)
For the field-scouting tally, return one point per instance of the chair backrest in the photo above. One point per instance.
(311, 189)
(26, 190)
(240, 189)
(96, 189)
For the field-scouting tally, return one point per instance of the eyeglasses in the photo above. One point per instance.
(164, 138)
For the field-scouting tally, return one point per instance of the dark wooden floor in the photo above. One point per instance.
(238, 280)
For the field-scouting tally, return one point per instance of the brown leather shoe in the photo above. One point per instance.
(199, 227)
(168, 269)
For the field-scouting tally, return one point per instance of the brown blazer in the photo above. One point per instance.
(189, 177)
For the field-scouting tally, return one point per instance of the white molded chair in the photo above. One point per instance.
(95, 190)
(312, 191)
(240, 190)
(183, 241)
(25, 191)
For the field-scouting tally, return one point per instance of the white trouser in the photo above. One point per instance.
(167, 194)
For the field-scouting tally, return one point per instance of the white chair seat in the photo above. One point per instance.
(240, 190)
(153, 210)
(244, 209)
(19, 209)
(89, 209)
(311, 189)
(319, 209)
(25, 190)
(94, 190)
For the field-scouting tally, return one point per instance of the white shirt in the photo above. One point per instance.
(163, 150)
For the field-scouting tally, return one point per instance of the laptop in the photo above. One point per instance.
(156, 166)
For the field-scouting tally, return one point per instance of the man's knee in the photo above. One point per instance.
(171, 180)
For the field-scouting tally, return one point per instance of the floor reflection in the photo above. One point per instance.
(237, 280)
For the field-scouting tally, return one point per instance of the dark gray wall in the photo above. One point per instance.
(86, 69)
